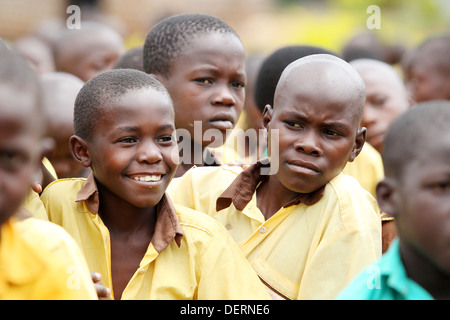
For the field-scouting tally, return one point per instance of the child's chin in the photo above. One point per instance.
(149, 202)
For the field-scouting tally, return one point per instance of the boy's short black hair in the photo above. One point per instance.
(94, 96)
(411, 134)
(166, 40)
(272, 68)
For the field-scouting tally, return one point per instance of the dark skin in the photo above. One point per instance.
(423, 187)
(131, 231)
(207, 84)
(318, 129)
(136, 142)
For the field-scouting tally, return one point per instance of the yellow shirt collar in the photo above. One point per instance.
(241, 190)
(167, 226)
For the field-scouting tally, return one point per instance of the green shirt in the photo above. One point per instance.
(386, 279)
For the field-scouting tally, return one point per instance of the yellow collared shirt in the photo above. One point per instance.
(191, 256)
(302, 251)
(367, 168)
(39, 261)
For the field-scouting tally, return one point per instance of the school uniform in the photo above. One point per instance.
(190, 256)
(39, 261)
(385, 280)
(35, 206)
(311, 248)
(367, 168)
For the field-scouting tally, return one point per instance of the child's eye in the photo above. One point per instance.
(165, 139)
(12, 160)
(127, 140)
(378, 102)
(204, 81)
(332, 133)
(443, 187)
(238, 84)
(293, 124)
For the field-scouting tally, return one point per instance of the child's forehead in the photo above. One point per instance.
(321, 80)
(20, 110)
(213, 40)
(144, 99)
(335, 86)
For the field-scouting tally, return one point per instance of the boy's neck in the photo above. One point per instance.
(271, 196)
(425, 273)
(122, 217)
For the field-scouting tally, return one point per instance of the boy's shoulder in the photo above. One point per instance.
(195, 221)
(66, 186)
(352, 200)
(344, 185)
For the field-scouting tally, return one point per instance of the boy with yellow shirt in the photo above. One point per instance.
(130, 232)
(38, 260)
(306, 228)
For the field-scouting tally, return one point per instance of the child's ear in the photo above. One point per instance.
(267, 116)
(386, 192)
(360, 139)
(79, 148)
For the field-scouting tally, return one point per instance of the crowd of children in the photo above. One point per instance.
(120, 177)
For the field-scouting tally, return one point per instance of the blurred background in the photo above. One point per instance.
(263, 25)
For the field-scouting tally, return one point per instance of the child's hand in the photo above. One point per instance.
(103, 292)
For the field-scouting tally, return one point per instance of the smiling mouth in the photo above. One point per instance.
(147, 178)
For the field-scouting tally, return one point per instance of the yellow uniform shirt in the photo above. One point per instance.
(310, 248)
(35, 206)
(38, 260)
(191, 256)
(367, 168)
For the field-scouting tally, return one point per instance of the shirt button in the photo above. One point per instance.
(262, 229)
(141, 271)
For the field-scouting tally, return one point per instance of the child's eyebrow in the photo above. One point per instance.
(215, 70)
(137, 128)
(335, 124)
(332, 124)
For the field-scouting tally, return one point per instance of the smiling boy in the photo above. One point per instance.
(201, 62)
(143, 246)
(307, 229)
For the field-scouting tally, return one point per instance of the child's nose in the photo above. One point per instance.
(148, 152)
(308, 144)
(224, 96)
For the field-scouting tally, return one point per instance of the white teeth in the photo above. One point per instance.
(147, 178)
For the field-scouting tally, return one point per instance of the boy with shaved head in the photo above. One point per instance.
(386, 99)
(306, 228)
(416, 191)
